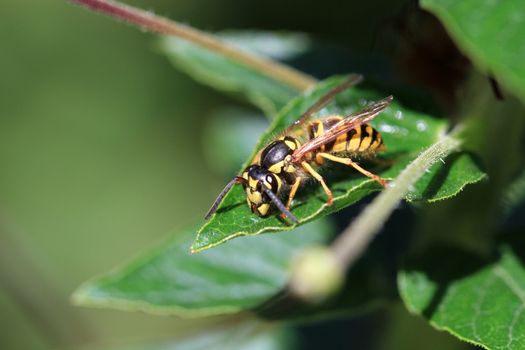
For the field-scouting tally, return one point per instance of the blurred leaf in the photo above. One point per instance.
(491, 33)
(235, 277)
(448, 178)
(481, 303)
(219, 72)
(405, 133)
(281, 46)
(514, 194)
(229, 138)
(401, 327)
(245, 334)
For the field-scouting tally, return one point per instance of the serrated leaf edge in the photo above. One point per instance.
(401, 281)
(481, 177)
(303, 220)
(81, 297)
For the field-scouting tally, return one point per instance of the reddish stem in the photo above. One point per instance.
(157, 24)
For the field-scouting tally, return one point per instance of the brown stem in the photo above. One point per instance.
(157, 24)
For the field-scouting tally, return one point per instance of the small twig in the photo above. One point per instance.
(157, 24)
(350, 245)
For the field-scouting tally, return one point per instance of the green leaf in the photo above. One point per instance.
(405, 133)
(213, 69)
(447, 179)
(231, 278)
(514, 194)
(481, 303)
(243, 334)
(280, 46)
(491, 33)
(226, 148)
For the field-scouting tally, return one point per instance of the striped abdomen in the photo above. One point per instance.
(363, 139)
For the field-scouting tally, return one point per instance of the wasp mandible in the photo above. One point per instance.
(286, 162)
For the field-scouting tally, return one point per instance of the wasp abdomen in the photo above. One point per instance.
(362, 139)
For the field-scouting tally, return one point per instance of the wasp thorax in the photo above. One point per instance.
(276, 156)
(257, 177)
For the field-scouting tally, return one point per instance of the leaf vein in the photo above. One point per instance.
(482, 293)
(517, 314)
(507, 278)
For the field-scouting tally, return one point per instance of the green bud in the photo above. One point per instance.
(316, 274)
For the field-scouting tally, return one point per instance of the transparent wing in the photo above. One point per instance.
(351, 80)
(349, 122)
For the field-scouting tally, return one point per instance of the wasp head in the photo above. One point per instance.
(260, 181)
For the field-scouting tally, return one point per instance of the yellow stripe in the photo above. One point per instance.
(263, 209)
(353, 145)
(340, 144)
(290, 144)
(254, 196)
(320, 129)
(277, 167)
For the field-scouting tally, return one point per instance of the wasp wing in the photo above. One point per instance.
(349, 122)
(351, 80)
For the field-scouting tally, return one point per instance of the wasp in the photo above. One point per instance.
(286, 162)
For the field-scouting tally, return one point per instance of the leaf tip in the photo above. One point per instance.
(80, 297)
(197, 247)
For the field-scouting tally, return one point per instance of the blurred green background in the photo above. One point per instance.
(102, 147)
(101, 155)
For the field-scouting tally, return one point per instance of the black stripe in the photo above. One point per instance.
(375, 134)
(364, 134)
(349, 136)
(329, 122)
(329, 146)
(312, 130)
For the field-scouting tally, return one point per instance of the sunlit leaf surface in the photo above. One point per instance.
(234, 277)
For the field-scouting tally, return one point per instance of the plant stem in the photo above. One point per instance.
(157, 24)
(350, 245)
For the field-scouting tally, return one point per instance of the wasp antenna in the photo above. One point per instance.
(280, 205)
(219, 198)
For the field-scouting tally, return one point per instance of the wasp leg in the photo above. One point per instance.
(319, 178)
(353, 164)
(293, 191)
